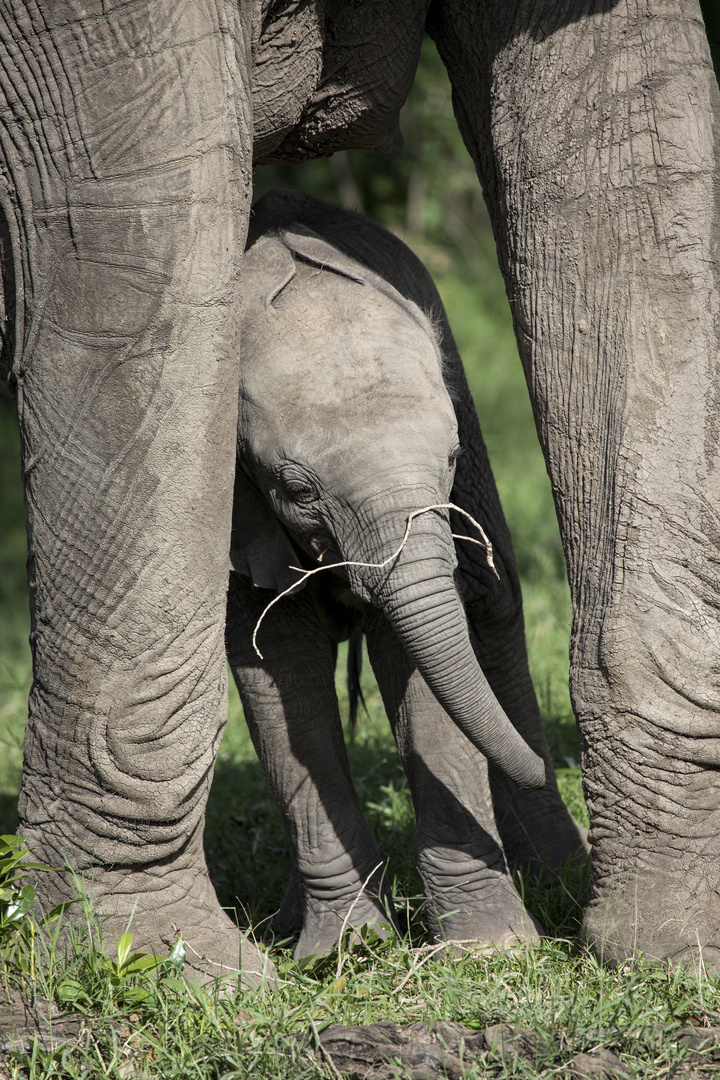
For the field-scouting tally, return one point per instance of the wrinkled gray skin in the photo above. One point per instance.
(127, 136)
(346, 428)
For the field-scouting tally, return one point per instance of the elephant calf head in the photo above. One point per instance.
(346, 428)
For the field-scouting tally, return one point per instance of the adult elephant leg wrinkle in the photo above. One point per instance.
(132, 219)
(292, 712)
(617, 319)
(470, 894)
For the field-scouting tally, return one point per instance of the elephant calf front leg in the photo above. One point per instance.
(470, 893)
(292, 712)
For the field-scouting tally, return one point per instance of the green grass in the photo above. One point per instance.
(15, 662)
(143, 1020)
(151, 1024)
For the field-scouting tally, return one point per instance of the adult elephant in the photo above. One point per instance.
(127, 133)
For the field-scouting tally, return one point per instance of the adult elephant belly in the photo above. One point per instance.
(324, 82)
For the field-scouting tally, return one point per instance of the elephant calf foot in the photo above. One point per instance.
(479, 908)
(326, 920)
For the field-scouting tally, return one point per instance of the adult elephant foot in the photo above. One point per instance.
(655, 835)
(123, 398)
(658, 921)
(158, 905)
(213, 945)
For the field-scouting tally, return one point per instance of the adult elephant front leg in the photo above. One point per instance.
(602, 185)
(126, 144)
(470, 894)
(291, 709)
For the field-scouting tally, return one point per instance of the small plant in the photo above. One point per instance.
(119, 983)
(17, 903)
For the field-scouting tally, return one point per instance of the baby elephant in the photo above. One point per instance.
(354, 415)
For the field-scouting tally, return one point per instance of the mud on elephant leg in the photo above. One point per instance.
(469, 891)
(291, 709)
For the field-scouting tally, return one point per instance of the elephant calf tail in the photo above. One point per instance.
(354, 671)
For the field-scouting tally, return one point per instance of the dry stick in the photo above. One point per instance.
(485, 542)
(435, 949)
(324, 1052)
(346, 920)
(363, 942)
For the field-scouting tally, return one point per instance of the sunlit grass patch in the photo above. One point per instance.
(555, 997)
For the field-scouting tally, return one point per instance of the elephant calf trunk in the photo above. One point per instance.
(459, 684)
(421, 603)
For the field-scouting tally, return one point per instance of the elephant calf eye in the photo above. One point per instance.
(455, 454)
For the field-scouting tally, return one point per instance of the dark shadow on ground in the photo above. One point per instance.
(248, 853)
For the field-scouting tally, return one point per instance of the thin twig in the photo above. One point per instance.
(433, 951)
(482, 544)
(347, 919)
(485, 542)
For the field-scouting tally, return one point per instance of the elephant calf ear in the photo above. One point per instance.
(267, 268)
(260, 549)
(313, 249)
